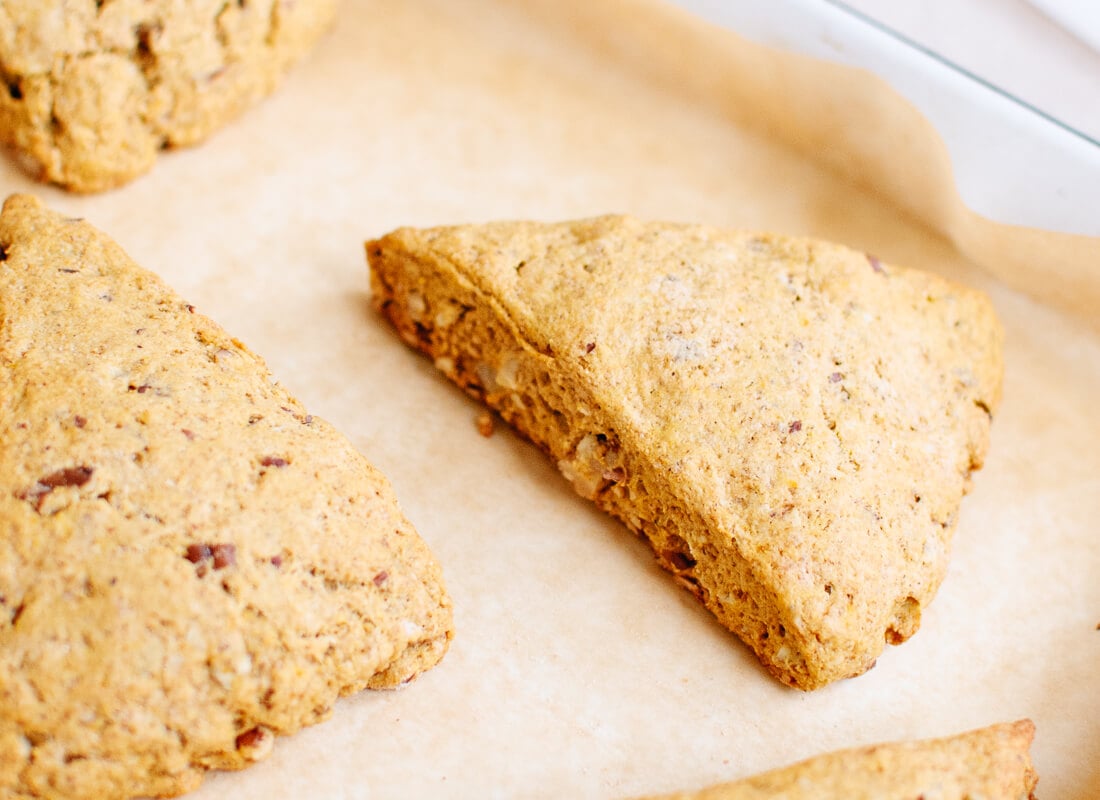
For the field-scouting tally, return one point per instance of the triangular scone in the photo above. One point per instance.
(94, 90)
(189, 562)
(991, 763)
(790, 424)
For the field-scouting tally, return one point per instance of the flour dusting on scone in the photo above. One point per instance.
(990, 763)
(790, 424)
(94, 90)
(190, 563)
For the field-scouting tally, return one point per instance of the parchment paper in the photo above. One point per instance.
(579, 669)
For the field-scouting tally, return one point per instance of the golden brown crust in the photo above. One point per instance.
(990, 763)
(791, 424)
(189, 562)
(95, 89)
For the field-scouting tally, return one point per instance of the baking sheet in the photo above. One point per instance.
(578, 668)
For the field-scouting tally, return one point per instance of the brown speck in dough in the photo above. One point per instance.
(679, 560)
(225, 555)
(197, 552)
(69, 476)
(615, 474)
(485, 424)
(250, 738)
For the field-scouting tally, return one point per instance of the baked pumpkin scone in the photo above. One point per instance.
(189, 562)
(991, 763)
(95, 89)
(789, 423)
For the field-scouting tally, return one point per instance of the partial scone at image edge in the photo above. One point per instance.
(190, 562)
(94, 91)
(992, 763)
(789, 423)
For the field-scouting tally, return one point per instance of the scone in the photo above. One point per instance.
(991, 763)
(94, 90)
(189, 562)
(789, 423)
